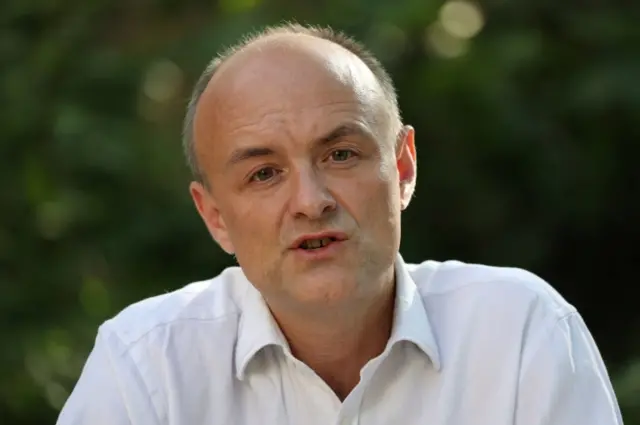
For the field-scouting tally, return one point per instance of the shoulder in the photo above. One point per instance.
(476, 296)
(162, 349)
(207, 301)
(478, 281)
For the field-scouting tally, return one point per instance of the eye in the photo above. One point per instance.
(341, 155)
(263, 174)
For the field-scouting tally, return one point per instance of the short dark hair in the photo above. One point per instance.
(325, 33)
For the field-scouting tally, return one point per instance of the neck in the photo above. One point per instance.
(339, 344)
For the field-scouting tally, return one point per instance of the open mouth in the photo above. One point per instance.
(310, 244)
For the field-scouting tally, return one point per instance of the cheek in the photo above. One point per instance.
(252, 225)
(385, 183)
(382, 201)
(371, 199)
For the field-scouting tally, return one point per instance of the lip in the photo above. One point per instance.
(338, 236)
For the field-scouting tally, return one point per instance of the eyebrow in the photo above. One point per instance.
(243, 154)
(343, 130)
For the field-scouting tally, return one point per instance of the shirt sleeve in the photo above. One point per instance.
(110, 390)
(565, 381)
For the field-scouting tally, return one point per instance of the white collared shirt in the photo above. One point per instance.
(471, 345)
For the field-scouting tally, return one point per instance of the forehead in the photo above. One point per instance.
(285, 87)
(295, 63)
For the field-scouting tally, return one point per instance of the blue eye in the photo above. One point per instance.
(341, 155)
(263, 174)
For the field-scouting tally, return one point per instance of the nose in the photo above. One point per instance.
(310, 196)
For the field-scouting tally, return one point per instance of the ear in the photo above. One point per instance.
(208, 209)
(406, 163)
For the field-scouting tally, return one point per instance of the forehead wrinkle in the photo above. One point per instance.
(281, 117)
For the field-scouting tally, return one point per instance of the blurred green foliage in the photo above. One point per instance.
(526, 114)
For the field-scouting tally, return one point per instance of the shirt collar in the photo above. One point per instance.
(258, 329)
(411, 322)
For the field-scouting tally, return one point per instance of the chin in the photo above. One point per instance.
(325, 288)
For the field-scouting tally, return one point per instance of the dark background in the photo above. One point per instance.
(527, 115)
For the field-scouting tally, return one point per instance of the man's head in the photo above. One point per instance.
(295, 135)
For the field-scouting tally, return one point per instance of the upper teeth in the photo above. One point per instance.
(315, 243)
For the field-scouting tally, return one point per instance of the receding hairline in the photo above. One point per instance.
(324, 33)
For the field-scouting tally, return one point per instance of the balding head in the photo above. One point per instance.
(279, 58)
(285, 62)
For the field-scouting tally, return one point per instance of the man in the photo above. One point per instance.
(302, 168)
